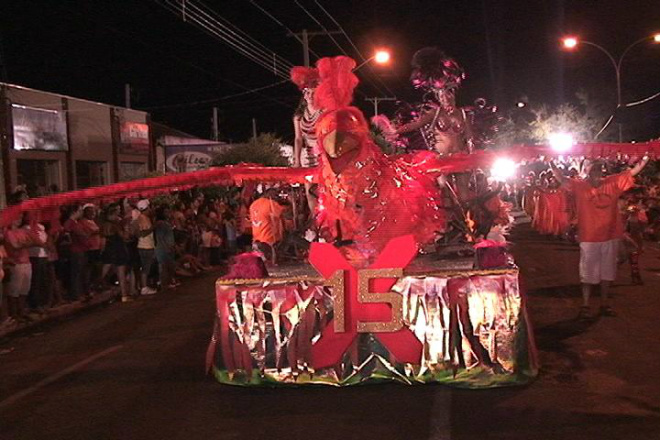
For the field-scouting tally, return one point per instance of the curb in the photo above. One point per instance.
(61, 311)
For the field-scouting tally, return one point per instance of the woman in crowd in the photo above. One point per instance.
(115, 254)
(165, 247)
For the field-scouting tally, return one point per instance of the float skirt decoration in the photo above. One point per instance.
(462, 328)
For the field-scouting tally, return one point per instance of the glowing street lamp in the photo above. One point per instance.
(570, 43)
(381, 56)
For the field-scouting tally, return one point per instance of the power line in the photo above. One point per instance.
(207, 22)
(289, 31)
(246, 35)
(207, 26)
(334, 40)
(339, 26)
(223, 98)
(241, 43)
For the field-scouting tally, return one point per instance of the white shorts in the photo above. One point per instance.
(598, 261)
(19, 281)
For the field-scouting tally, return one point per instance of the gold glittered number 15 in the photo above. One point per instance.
(365, 296)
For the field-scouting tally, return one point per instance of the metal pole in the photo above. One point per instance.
(127, 95)
(376, 106)
(305, 43)
(215, 123)
(618, 100)
(254, 129)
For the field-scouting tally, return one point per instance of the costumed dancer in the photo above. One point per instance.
(305, 147)
(366, 197)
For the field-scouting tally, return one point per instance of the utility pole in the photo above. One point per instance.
(377, 99)
(127, 95)
(304, 38)
(215, 124)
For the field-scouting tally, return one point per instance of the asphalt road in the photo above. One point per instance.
(135, 371)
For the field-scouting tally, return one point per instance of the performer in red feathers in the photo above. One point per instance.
(366, 198)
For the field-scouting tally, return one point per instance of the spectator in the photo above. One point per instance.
(78, 286)
(4, 315)
(19, 239)
(91, 227)
(599, 228)
(267, 228)
(165, 248)
(115, 253)
(145, 245)
(39, 297)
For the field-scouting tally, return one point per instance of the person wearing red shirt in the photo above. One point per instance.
(267, 227)
(79, 247)
(600, 227)
(19, 239)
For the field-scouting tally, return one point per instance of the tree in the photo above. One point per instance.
(264, 150)
(582, 120)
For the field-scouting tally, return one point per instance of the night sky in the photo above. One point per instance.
(90, 49)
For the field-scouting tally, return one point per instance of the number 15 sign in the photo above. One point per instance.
(364, 302)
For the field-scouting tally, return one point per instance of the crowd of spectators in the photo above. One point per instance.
(134, 247)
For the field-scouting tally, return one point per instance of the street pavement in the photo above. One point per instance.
(136, 371)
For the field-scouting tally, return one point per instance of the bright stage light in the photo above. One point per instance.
(561, 142)
(503, 169)
(656, 37)
(521, 104)
(382, 57)
(570, 42)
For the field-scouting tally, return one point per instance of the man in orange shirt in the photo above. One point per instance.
(267, 227)
(600, 227)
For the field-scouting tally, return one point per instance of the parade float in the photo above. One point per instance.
(368, 305)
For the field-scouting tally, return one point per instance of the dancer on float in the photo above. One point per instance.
(305, 147)
(445, 126)
(442, 126)
(366, 197)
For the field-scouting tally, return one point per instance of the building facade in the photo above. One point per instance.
(52, 143)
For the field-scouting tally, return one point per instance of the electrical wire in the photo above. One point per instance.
(207, 26)
(215, 28)
(222, 98)
(341, 29)
(246, 35)
(334, 40)
(206, 21)
(289, 31)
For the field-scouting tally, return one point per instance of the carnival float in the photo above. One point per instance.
(374, 301)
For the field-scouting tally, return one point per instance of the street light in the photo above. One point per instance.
(571, 43)
(381, 56)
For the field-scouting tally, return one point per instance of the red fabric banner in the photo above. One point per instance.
(237, 175)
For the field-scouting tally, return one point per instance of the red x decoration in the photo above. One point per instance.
(330, 348)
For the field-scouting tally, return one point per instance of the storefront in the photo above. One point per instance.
(53, 143)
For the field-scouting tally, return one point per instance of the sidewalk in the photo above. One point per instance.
(65, 310)
(60, 311)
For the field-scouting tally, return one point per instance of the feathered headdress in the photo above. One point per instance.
(334, 95)
(432, 68)
(305, 77)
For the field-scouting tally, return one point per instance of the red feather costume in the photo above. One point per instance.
(365, 196)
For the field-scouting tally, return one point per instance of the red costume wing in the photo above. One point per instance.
(237, 175)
